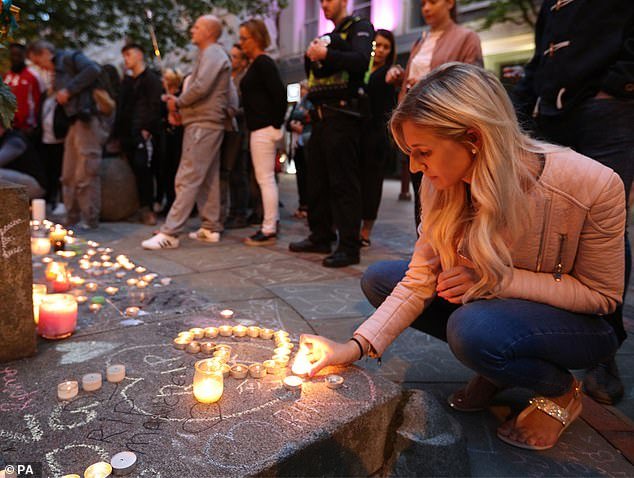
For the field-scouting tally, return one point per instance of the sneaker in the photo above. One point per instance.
(205, 235)
(60, 209)
(160, 241)
(261, 239)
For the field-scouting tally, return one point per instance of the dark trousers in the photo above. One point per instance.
(140, 160)
(334, 188)
(171, 154)
(53, 155)
(375, 146)
(299, 158)
(233, 175)
(602, 129)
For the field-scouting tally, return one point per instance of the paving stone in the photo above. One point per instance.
(257, 427)
(292, 271)
(337, 298)
(218, 286)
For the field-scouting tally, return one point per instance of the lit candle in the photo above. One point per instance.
(207, 347)
(111, 290)
(301, 364)
(91, 286)
(281, 334)
(61, 283)
(253, 331)
(141, 284)
(226, 314)
(57, 238)
(105, 257)
(71, 476)
(279, 341)
(281, 360)
(115, 373)
(282, 351)
(93, 244)
(270, 366)
(208, 381)
(58, 316)
(66, 254)
(98, 470)
(293, 383)
(132, 311)
(222, 355)
(91, 382)
(211, 332)
(39, 291)
(181, 342)
(225, 330)
(197, 332)
(77, 281)
(257, 370)
(47, 260)
(53, 269)
(333, 381)
(239, 330)
(40, 246)
(81, 299)
(107, 264)
(94, 307)
(149, 277)
(239, 371)
(140, 270)
(67, 390)
(266, 334)
(193, 347)
(91, 252)
(132, 281)
(120, 275)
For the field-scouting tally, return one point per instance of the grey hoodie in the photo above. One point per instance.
(205, 100)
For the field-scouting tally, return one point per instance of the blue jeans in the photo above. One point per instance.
(512, 342)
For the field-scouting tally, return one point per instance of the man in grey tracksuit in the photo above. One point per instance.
(203, 108)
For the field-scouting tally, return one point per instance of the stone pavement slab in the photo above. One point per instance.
(257, 427)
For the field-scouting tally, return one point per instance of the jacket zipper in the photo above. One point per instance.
(559, 267)
(540, 254)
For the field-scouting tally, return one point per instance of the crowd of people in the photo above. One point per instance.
(522, 253)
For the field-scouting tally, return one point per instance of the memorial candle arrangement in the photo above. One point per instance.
(58, 316)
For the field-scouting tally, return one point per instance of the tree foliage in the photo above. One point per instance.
(519, 12)
(77, 23)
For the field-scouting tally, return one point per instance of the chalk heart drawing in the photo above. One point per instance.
(228, 450)
(53, 457)
(79, 352)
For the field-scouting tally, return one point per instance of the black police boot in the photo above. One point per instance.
(603, 383)
(307, 245)
(341, 259)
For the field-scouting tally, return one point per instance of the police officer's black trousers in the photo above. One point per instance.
(334, 189)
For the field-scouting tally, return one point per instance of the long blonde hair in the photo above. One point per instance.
(453, 101)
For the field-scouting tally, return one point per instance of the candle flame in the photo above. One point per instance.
(301, 365)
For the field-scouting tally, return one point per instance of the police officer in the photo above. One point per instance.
(337, 66)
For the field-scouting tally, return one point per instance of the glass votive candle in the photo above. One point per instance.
(58, 316)
(208, 381)
(239, 330)
(253, 331)
(225, 330)
(257, 370)
(266, 334)
(61, 283)
(91, 286)
(270, 366)
(239, 371)
(40, 246)
(39, 291)
(197, 332)
(226, 314)
(67, 390)
(211, 332)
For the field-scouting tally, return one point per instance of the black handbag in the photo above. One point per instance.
(61, 122)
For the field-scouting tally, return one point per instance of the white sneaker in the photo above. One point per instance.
(59, 210)
(205, 235)
(160, 241)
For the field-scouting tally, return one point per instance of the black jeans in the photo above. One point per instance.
(334, 187)
(141, 159)
(374, 148)
(234, 184)
(53, 154)
(602, 129)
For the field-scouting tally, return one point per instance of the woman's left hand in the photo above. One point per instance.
(453, 283)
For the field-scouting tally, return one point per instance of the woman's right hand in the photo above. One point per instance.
(323, 352)
(394, 75)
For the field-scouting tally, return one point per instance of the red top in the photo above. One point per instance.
(26, 88)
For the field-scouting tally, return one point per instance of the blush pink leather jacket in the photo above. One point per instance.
(571, 256)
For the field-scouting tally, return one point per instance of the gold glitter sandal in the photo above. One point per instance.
(565, 416)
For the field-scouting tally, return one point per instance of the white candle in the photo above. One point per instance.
(67, 390)
(91, 382)
(40, 246)
(239, 371)
(226, 314)
(98, 470)
(123, 463)
(115, 373)
(293, 383)
(38, 209)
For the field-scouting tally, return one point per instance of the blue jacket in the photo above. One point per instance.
(78, 74)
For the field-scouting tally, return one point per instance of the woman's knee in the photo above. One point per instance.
(380, 278)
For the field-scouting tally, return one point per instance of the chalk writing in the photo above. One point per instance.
(78, 415)
(6, 240)
(56, 468)
(17, 399)
(32, 425)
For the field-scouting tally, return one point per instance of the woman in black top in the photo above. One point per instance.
(376, 143)
(264, 103)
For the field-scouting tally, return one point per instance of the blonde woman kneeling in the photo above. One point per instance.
(520, 255)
